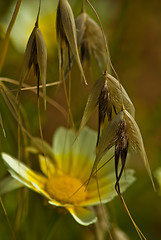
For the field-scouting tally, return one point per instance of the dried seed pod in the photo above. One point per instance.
(123, 133)
(121, 149)
(93, 100)
(36, 56)
(107, 92)
(90, 39)
(136, 144)
(105, 107)
(119, 96)
(66, 34)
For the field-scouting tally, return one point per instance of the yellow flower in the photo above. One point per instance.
(62, 179)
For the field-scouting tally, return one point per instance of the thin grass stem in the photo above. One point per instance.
(33, 89)
(8, 221)
(7, 36)
(106, 46)
(102, 209)
(68, 103)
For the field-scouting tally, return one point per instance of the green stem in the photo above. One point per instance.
(37, 19)
(83, 6)
(7, 36)
(51, 226)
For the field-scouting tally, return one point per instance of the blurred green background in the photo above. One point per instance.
(133, 31)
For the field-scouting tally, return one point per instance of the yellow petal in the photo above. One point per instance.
(23, 174)
(46, 166)
(55, 203)
(44, 148)
(107, 188)
(82, 215)
(62, 148)
(74, 157)
(107, 139)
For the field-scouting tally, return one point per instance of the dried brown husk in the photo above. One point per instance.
(107, 139)
(66, 32)
(90, 37)
(36, 56)
(136, 142)
(118, 97)
(92, 100)
(110, 136)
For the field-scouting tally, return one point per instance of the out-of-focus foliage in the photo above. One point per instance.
(134, 40)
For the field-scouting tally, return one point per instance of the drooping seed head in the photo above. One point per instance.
(90, 40)
(66, 33)
(107, 92)
(123, 133)
(36, 56)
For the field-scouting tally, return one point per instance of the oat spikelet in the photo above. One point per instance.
(107, 92)
(36, 56)
(66, 33)
(90, 40)
(123, 133)
(136, 142)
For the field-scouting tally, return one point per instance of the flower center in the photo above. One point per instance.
(66, 189)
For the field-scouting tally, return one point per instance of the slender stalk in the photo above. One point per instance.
(103, 211)
(33, 89)
(1, 123)
(83, 6)
(105, 42)
(86, 182)
(19, 130)
(7, 36)
(68, 103)
(51, 227)
(8, 221)
(40, 128)
(69, 79)
(37, 19)
(141, 235)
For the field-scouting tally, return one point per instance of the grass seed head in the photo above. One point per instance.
(108, 94)
(123, 133)
(66, 33)
(121, 149)
(36, 56)
(90, 40)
